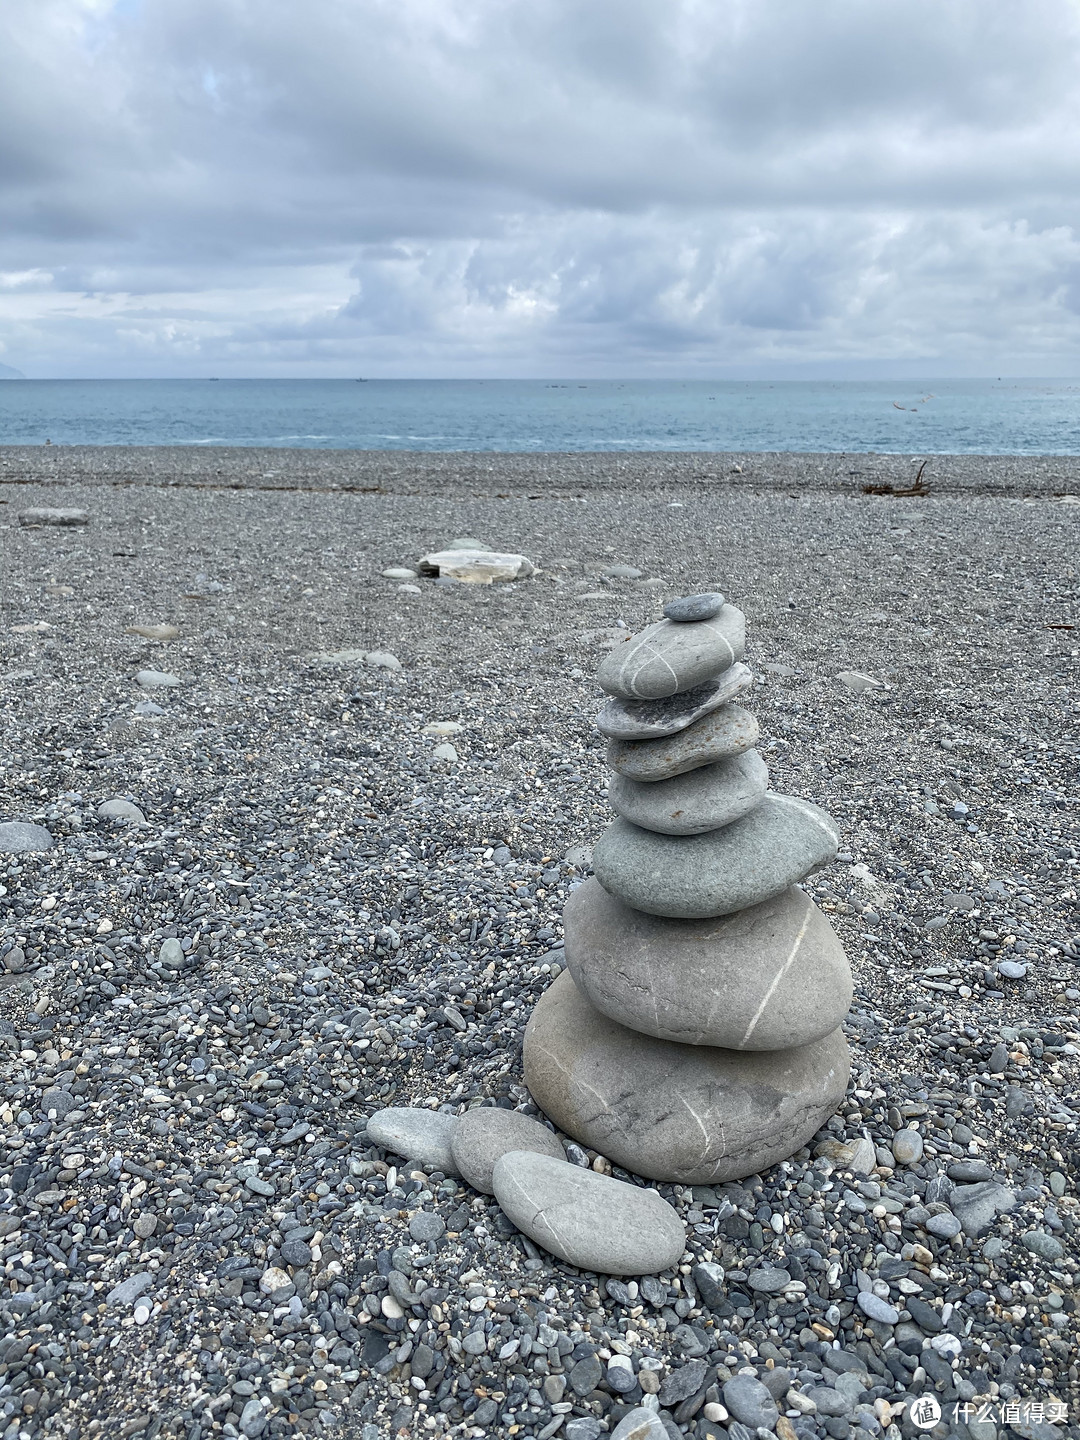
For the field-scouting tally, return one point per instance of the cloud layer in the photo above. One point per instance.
(520, 187)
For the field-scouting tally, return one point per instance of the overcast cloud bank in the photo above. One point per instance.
(539, 187)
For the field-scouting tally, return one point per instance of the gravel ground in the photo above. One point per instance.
(319, 918)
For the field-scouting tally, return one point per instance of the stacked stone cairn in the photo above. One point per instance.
(695, 1035)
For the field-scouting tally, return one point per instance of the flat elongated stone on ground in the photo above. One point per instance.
(652, 719)
(20, 837)
(669, 657)
(157, 680)
(480, 1136)
(691, 804)
(689, 877)
(589, 1220)
(421, 1135)
(48, 515)
(730, 730)
(691, 1114)
(688, 608)
(154, 632)
(766, 978)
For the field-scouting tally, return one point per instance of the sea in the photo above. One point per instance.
(1005, 417)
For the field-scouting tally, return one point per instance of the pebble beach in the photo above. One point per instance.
(343, 815)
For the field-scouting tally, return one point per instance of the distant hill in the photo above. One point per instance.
(8, 372)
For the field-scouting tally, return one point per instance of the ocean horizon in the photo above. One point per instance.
(946, 416)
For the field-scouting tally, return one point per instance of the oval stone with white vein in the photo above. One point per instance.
(690, 877)
(592, 1221)
(686, 1114)
(768, 977)
(651, 719)
(670, 657)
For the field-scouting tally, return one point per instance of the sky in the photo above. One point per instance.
(516, 188)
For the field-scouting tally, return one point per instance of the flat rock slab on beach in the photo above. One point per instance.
(670, 657)
(47, 515)
(690, 1114)
(475, 567)
(771, 976)
(689, 877)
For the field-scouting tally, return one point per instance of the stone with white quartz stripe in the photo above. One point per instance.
(689, 877)
(730, 730)
(766, 978)
(670, 657)
(690, 804)
(650, 719)
(686, 1114)
(592, 1221)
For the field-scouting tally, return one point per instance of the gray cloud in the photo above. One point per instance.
(537, 186)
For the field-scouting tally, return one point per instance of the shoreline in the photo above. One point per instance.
(498, 473)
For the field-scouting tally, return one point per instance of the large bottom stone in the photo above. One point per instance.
(772, 977)
(690, 1114)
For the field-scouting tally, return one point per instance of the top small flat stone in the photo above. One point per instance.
(689, 608)
(670, 657)
(157, 680)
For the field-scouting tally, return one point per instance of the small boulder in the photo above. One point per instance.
(420, 1135)
(475, 566)
(482, 1135)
